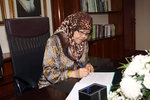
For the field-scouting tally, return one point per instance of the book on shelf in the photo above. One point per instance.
(109, 5)
(102, 31)
(84, 5)
(105, 6)
(94, 32)
(112, 30)
(96, 5)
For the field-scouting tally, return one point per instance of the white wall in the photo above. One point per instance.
(142, 24)
(3, 38)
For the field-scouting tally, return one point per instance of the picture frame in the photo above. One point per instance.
(2, 11)
(27, 8)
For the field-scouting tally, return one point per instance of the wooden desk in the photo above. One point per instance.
(55, 92)
(7, 86)
(60, 90)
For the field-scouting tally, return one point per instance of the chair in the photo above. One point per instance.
(27, 39)
(1, 62)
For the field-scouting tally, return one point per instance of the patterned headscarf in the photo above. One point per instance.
(74, 22)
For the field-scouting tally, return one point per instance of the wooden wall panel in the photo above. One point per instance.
(57, 13)
(129, 25)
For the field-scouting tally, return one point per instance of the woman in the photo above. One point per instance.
(66, 54)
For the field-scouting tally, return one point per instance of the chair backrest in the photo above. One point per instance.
(27, 39)
(1, 62)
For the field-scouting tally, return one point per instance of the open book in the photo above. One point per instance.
(103, 78)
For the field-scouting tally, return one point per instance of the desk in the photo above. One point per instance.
(7, 86)
(60, 90)
(55, 92)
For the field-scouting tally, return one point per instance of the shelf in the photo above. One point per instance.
(109, 12)
(106, 38)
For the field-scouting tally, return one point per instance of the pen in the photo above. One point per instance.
(88, 89)
(81, 64)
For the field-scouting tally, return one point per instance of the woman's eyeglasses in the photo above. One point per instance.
(84, 32)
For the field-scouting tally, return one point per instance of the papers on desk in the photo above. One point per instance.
(103, 78)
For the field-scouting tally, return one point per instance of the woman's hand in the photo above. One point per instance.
(89, 67)
(82, 72)
(79, 73)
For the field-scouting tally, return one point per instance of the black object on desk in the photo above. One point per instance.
(93, 92)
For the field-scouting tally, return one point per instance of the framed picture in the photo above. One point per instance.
(27, 8)
(2, 11)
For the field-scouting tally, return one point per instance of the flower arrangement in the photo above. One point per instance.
(135, 82)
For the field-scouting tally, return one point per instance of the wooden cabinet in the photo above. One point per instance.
(7, 82)
(61, 9)
(122, 15)
(107, 48)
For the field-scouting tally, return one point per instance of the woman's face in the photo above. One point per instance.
(80, 36)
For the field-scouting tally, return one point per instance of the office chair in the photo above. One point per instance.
(1, 62)
(27, 39)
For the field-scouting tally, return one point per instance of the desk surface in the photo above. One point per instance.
(56, 92)
(60, 90)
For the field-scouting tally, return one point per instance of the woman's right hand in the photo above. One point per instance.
(79, 73)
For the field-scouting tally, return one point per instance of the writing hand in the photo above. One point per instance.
(81, 72)
(89, 67)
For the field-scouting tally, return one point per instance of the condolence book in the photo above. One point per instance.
(102, 78)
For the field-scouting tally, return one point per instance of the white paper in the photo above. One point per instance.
(103, 78)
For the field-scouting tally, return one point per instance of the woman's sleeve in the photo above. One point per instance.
(51, 63)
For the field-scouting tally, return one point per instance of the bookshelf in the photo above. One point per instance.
(121, 15)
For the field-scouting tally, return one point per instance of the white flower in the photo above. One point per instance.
(143, 72)
(138, 63)
(129, 71)
(113, 96)
(130, 87)
(118, 90)
(147, 66)
(122, 98)
(147, 81)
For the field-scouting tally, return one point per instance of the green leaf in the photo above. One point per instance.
(123, 66)
(128, 59)
(146, 94)
(140, 78)
(148, 62)
(115, 87)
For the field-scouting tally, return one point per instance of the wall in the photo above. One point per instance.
(3, 38)
(142, 24)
